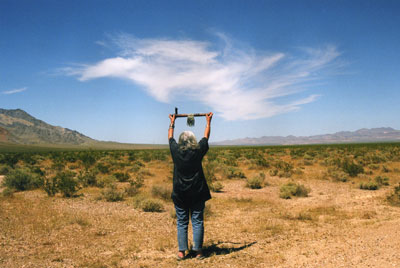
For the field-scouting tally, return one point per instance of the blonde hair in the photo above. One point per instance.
(187, 140)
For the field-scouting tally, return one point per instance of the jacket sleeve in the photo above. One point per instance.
(173, 147)
(203, 146)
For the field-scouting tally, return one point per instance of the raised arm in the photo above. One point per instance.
(171, 126)
(207, 130)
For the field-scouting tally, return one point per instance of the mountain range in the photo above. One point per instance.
(19, 127)
(384, 134)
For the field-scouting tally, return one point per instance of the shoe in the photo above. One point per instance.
(180, 256)
(199, 255)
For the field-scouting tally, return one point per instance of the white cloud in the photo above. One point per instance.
(235, 83)
(13, 91)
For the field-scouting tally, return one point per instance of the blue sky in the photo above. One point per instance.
(114, 70)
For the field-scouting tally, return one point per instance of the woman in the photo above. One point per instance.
(190, 189)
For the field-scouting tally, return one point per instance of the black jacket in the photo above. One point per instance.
(189, 183)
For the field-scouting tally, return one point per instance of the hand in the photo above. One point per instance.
(172, 117)
(209, 117)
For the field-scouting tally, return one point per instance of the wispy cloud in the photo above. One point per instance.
(13, 91)
(237, 83)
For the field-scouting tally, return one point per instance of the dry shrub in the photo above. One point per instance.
(371, 185)
(288, 190)
(394, 197)
(105, 181)
(8, 192)
(384, 181)
(377, 183)
(161, 192)
(134, 186)
(242, 199)
(146, 204)
(256, 182)
(216, 187)
(232, 173)
(273, 172)
(337, 175)
(112, 194)
(152, 205)
(208, 211)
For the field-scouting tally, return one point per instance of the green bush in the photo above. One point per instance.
(87, 178)
(288, 190)
(261, 162)
(122, 177)
(103, 168)
(112, 194)
(352, 168)
(63, 182)
(67, 184)
(50, 186)
(88, 159)
(22, 179)
(136, 166)
(4, 169)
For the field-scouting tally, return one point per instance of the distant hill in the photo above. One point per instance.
(17, 126)
(362, 135)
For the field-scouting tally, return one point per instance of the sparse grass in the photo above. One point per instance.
(50, 231)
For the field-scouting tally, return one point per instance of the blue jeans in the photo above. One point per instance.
(182, 215)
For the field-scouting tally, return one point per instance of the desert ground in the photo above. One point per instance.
(336, 225)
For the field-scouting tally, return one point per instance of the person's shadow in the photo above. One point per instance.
(218, 249)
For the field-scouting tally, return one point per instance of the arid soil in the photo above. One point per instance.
(337, 225)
